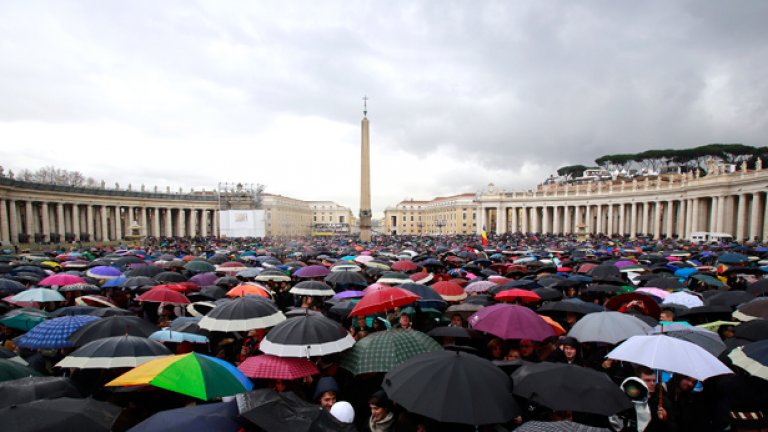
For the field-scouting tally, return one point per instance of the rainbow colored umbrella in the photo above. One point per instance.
(191, 374)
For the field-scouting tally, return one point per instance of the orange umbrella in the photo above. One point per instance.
(247, 289)
(518, 294)
(559, 330)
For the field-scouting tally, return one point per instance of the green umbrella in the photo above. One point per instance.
(708, 280)
(382, 351)
(199, 266)
(10, 370)
(24, 318)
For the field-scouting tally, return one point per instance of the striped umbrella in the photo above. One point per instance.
(242, 314)
(307, 336)
(115, 352)
(54, 333)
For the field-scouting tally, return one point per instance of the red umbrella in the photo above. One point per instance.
(163, 295)
(181, 287)
(518, 294)
(450, 291)
(404, 266)
(382, 300)
(61, 279)
(268, 366)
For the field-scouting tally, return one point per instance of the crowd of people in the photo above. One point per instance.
(561, 279)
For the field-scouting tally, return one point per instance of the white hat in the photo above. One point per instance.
(343, 412)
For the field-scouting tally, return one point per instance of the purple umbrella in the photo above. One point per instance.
(103, 272)
(511, 322)
(312, 271)
(348, 294)
(204, 279)
(479, 287)
(623, 263)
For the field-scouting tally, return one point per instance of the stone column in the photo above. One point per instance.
(76, 221)
(588, 218)
(645, 218)
(754, 219)
(657, 220)
(599, 219)
(216, 231)
(670, 211)
(681, 218)
(515, 221)
(713, 214)
(741, 217)
(721, 204)
(89, 223)
(567, 219)
(524, 223)
(168, 222)
(501, 215)
(13, 221)
(481, 222)
(156, 213)
(60, 221)
(556, 220)
(30, 221)
(694, 215)
(5, 234)
(119, 223)
(204, 223)
(181, 228)
(104, 224)
(633, 221)
(609, 228)
(46, 217)
(545, 228)
(193, 223)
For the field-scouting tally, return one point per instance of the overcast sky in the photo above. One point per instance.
(462, 93)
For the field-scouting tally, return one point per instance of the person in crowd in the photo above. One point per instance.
(382, 418)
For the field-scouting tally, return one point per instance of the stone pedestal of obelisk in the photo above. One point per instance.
(365, 181)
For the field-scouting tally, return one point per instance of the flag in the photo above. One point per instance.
(484, 237)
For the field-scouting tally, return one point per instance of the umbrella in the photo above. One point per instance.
(163, 295)
(449, 291)
(135, 282)
(669, 354)
(24, 319)
(192, 374)
(464, 388)
(11, 370)
(114, 352)
(148, 271)
(61, 279)
(709, 280)
(23, 390)
(753, 358)
(249, 273)
(347, 295)
(454, 332)
(312, 288)
(54, 333)
(511, 322)
(81, 415)
(566, 387)
(312, 271)
(10, 286)
(82, 287)
(272, 275)
(94, 300)
(199, 266)
(384, 350)
(248, 289)
(429, 297)
(383, 299)
(112, 326)
(683, 298)
(242, 314)
(664, 283)
(479, 287)
(204, 279)
(168, 335)
(759, 288)
(72, 310)
(273, 367)
(346, 278)
(103, 272)
(732, 258)
(518, 294)
(404, 266)
(464, 309)
(706, 339)
(648, 306)
(574, 305)
(393, 278)
(730, 298)
(608, 327)
(40, 295)
(213, 417)
(286, 412)
(170, 277)
(755, 309)
(306, 336)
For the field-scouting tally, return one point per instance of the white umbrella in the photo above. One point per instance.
(38, 295)
(609, 327)
(683, 298)
(670, 354)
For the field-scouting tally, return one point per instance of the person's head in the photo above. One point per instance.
(667, 315)
(726, 331)
(635, 389)
(494, 348)
(405, 321)
(570, 348)
(686, 383)
(327, 399)
(571, 318)
(457, 320)
(571, 292)
(380, 405)
(648, 377)
(512, 354)
(527, 348)
(360, 319)
(343, 411)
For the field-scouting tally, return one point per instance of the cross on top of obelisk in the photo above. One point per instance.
(365, 105)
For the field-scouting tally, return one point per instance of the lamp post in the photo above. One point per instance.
(440, 224)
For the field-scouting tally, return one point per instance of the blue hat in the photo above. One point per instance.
(325, 384)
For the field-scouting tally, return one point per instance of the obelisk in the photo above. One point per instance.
(365, 178)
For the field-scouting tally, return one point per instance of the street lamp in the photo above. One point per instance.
(440, 224)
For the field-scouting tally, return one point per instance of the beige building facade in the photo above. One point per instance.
(443, 215)
(330, 218)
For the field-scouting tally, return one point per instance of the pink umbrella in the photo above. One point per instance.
(61, 279)
(268, 366)
(656, 292)
(511, 322)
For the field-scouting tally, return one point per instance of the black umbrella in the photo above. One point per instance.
(135, 282)
(170, 277)
(754, 330)
(759, 288)
(730, 298)
(148, 271)
(312, 288)
(213, 292)
(112, 326)
(480, 299)
(564, 387)
(242, 314)
(463, 388)
(81, 415)
(307, 336)
(29, 389)
(572, 305)
(10, 286)
(548, 294)
(212, 417)
(346, 278)
(227, 281)
(110, 312)
(115, 352)
(286, 412)
(342, 308)
(664, 283)
(706, 313)
(454, 332)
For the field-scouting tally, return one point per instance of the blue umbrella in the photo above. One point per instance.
(168, 335)
(429, 297)
(236, 372)
(215, 417)
(54, 333)
(732, 258)
(11, 286)
(685, 272)
(114, 282)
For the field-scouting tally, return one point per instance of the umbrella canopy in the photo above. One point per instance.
(312, 271)
(382, 351)
(199, 266)
(214, 417)
(112, 326)
(704, 338)
(82, 415)
(163, 295)
(38, 295)
(511, 322)
(753, 358)
(683, 298)
(103, 272)
(517, 294)
(23, 319)
(168, 335)
(383, 299)
(30, 389)
(404, 266)
(248, 289)
(54, 333)
(756, 309)
(466, 310)
(136, 282)
(273, 367)
(286, 412)
(192, 374)
(272, 275)
(565, 387)
(82, 287)
(306, 336)
(669, 354)
(464, 388)
(11, 370)
(170, 277)
(346, 278)
(242, 314)
(114, 352)
(608, 327)
(312, 288)
(61, 279)
(429, 297)
(449, 291)
(573, 305)
(479, 287)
